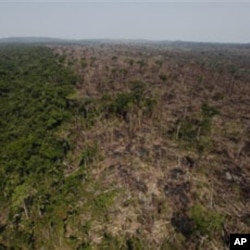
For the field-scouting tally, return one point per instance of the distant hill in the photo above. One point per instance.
(28, 40)
(141, 42)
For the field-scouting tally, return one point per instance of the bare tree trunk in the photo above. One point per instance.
(25, 210)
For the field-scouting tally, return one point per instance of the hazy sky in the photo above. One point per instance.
(200, 20)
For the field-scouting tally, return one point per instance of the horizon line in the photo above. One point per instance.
(118, 39)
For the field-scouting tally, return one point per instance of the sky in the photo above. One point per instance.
(198, 20)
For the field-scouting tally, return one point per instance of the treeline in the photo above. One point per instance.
(33, 91)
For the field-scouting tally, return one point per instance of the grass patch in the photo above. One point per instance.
(206, 222)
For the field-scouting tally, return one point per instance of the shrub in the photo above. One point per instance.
(83, 63)
(127, 102)
(122, 104)
(138, 88)
(196, 132)
(206, 222)
(209, 111)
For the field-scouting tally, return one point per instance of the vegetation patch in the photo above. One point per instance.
(206, 222)
(196, 132)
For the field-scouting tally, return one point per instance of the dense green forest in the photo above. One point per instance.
(34, 90)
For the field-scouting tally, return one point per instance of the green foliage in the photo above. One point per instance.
(71, 183)
(188, 129)
(110, 242)
(159, 62)
(84, 63)
(131, 62)
(169, 245)
(128, 102)
(122, 104)
(61, 58)
(104, 200)
(20, 194)
(209, 111)
(34, 87)
(196, 132)
(123, 72)
(84, 246)
(134, 243)
(90, 110)
(138, 88)
(233, 69)
(141, 63)
(206, 222)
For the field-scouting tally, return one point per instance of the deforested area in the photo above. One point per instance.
(124, 145)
